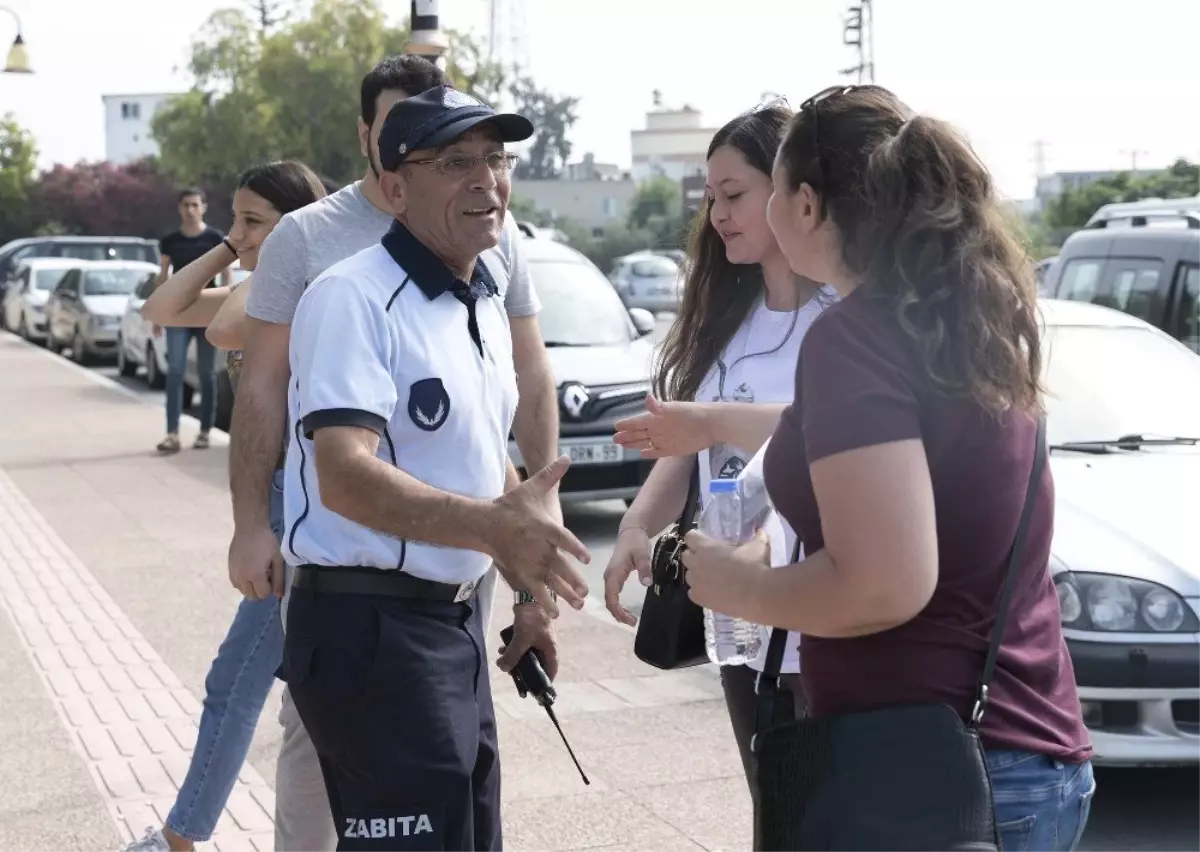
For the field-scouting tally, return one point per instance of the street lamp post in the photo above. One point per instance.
(17, 61)
(427, 38)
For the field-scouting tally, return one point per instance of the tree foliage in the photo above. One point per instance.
(657, 198)
(552, 117)
(291, 90)
(1072, 209)
(18, 167)
(135, 200)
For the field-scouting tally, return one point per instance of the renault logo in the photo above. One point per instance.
(575, 398)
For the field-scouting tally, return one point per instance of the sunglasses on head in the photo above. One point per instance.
(810, 107)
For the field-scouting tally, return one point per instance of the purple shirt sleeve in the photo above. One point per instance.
(854, 382)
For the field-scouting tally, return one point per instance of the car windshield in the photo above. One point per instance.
(111, 282)
(106, 251)
(47, 279)
(1105, 383)
(579, 306)
(655, 267)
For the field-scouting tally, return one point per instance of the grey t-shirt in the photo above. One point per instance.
(308, 241)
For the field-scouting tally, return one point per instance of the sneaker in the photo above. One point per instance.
(201, 441)
(154, 841)
(169, 444)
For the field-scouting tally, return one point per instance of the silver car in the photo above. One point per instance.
(84, 311)
(1123, 402)
(648, 281)
(602, 356)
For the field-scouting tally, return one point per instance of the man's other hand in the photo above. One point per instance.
(255, 563)
(532, 628)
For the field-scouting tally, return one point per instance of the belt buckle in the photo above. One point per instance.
(465, 590)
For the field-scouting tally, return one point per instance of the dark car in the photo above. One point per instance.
(1147, 266)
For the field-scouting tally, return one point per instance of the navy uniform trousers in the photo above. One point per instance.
(395, 694)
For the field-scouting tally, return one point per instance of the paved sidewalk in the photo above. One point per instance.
(114, 598)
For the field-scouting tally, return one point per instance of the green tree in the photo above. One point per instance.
(552, 117)
(18, 165)
(1072, 209)
(290, 90)
(658, 198)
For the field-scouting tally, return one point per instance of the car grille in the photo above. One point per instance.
(609, 403)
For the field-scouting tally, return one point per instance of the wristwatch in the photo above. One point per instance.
(520, 596)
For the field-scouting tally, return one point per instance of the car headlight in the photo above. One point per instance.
(1105, 603)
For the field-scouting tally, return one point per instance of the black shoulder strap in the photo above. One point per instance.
(1010, 573)
(688, 519)
(768, 680)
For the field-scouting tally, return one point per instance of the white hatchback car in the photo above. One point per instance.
(602, 356)
(1123, 421)
(30, 285)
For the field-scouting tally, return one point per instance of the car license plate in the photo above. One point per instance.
(597, 453)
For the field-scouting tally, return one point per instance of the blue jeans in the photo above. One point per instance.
(235, 692)
(1042, 804)
(206, 367)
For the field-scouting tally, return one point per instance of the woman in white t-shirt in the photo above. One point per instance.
(728, 365)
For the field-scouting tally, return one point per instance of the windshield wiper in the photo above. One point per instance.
(562, 344)
(1125, 442)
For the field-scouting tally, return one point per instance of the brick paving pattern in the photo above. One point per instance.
(131, 719)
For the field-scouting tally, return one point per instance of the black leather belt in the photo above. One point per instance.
(354, 580)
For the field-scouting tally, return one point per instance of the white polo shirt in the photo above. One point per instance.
(382, 341)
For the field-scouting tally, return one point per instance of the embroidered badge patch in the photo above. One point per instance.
(428, 404)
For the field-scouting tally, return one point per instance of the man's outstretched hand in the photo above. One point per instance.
(527, 542)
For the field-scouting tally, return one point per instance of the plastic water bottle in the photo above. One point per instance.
(729, 641)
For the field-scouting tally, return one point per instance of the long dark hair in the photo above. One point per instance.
(922, 228)
(717, 295)
(286, 185)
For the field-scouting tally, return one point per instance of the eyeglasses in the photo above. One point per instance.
(460, 165)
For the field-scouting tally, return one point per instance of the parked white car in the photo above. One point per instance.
(29, 287)
(1123, 406)
(138, 347)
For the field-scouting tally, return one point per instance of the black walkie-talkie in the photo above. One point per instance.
(531, 679)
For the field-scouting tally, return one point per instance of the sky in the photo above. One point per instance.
(1094, 81)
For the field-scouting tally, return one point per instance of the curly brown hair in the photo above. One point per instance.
(922, 227)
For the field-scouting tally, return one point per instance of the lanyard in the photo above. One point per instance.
(723, 370)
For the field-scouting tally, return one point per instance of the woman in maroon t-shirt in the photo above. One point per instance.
(903, 462)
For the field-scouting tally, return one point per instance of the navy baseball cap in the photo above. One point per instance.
(438, 116)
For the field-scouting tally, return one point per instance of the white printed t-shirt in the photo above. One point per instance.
(759, 366)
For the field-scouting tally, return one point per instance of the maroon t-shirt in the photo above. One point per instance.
(859, 383)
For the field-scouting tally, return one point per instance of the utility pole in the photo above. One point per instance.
(427, 38)
(1039, 158)
(1133, 154)
(858, 31)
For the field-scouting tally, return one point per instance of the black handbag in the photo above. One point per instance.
(904, 777)
(670, 632)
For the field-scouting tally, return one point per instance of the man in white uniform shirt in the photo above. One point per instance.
(399, 493)
(303, 246)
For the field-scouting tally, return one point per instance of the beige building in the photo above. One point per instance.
(594, 204)
(672, 145)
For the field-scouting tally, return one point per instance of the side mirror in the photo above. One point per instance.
(643, 321)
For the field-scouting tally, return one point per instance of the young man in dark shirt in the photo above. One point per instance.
(178, 249)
